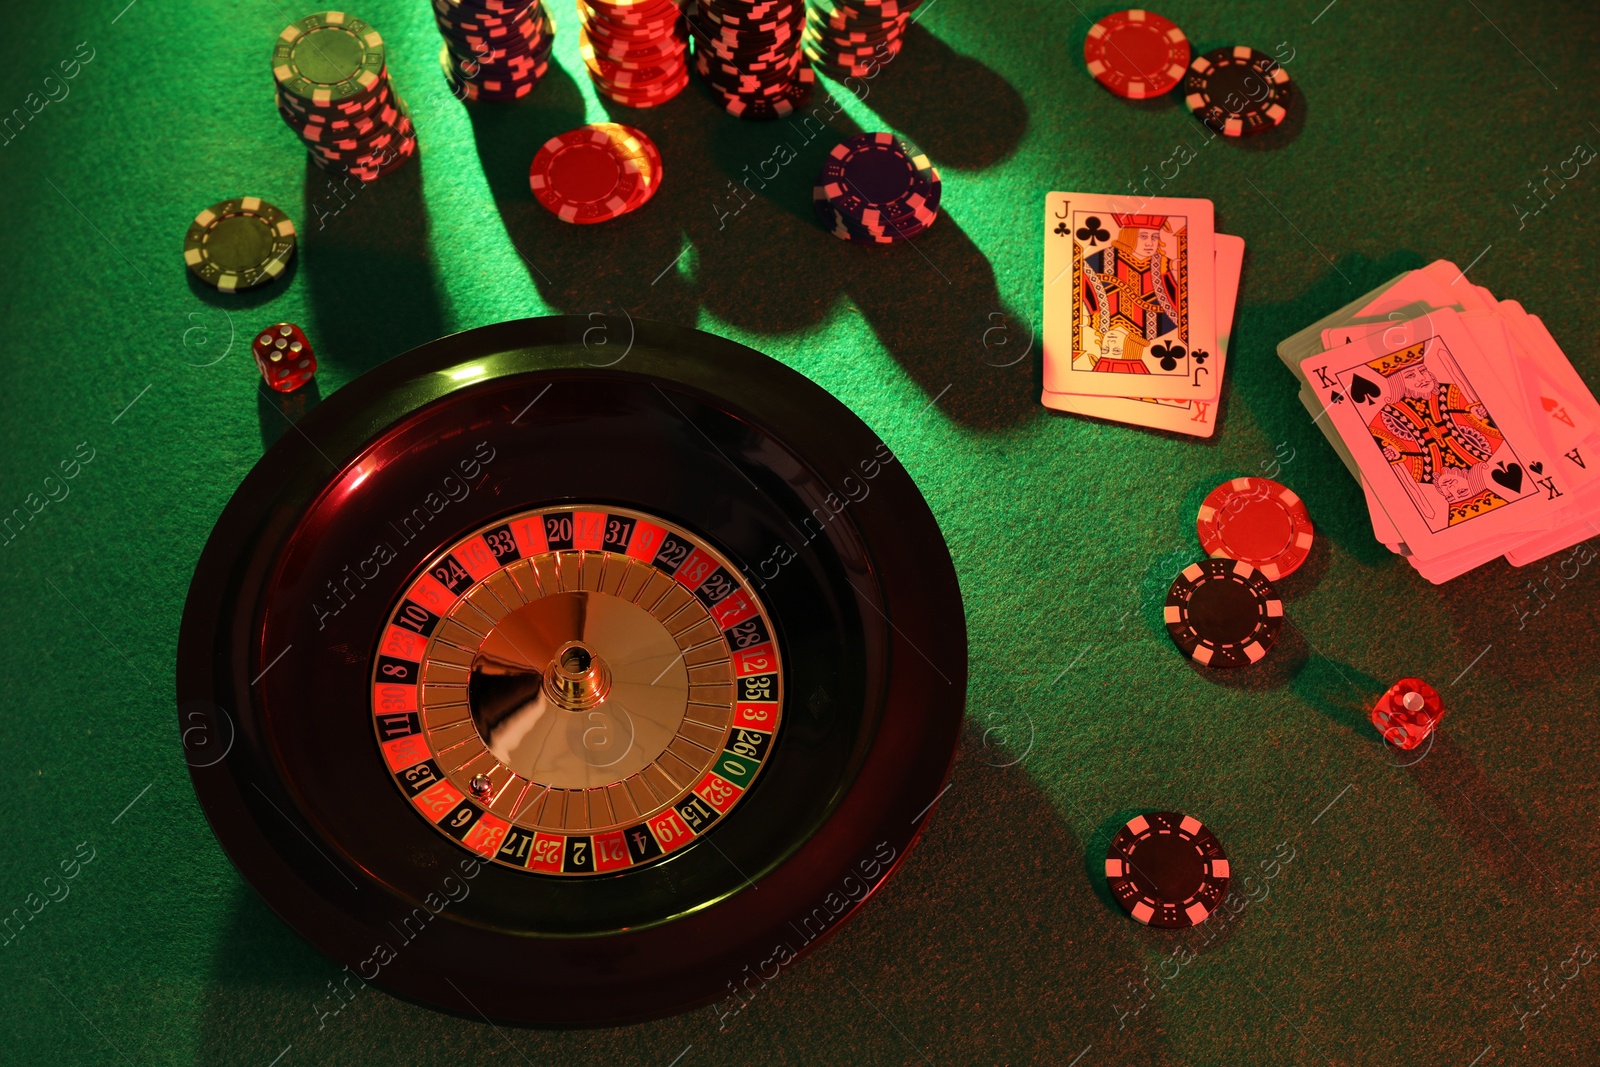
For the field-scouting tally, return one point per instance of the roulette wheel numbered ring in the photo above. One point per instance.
(561, 690)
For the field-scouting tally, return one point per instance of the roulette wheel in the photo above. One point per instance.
(535, 681)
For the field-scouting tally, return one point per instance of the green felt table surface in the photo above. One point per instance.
(1431, 913)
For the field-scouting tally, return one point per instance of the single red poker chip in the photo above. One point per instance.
(588, 175)
(1259, 521)
(1136, 54)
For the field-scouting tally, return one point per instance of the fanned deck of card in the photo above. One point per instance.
(1466, 425)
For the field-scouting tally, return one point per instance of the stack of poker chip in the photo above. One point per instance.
(635, 49)
(494, 49)
(595, 173)
(748, 52)
(876, 188)
(333, 90)
(851, 38)
(1224, 611)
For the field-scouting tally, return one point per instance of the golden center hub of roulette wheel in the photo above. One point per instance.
(645, 654)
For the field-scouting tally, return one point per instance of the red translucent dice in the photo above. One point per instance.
(1408, 712)
(284, 357)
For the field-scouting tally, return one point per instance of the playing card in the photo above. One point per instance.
(1513, 361)
(1470, 297)
(1404, 296)
(1487, 331)
(1196, 417)
(1129, 297)
(1555, 401)
(1375, 322)
(1562, 537)
(1397, 300)
(1453, 461)
(1562, 406)
(1445, 568)
(1382, 527)
(1297, 346)
(1564, 409)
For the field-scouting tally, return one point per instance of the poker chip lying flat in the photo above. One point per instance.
(650, 168)
(239, 244)
(1136, 54)
(595, 173)
(1258, 521)
(1167, 870)
(1237, 91)
(1223, 613)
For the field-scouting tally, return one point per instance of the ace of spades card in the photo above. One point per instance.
(1129, 296)
(1441, 440)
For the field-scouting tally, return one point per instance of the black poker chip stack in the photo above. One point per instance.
(494, 49)
(853, 38)
(748, 53)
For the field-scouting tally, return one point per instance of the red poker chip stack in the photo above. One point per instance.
(748, 52)
(852, 38)
(636, 50)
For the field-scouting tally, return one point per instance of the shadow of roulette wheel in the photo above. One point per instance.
(537, 682)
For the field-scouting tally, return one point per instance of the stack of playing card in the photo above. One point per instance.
(1138, 304)
(1460, 416)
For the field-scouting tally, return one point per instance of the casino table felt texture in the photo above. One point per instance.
(1396, 914)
